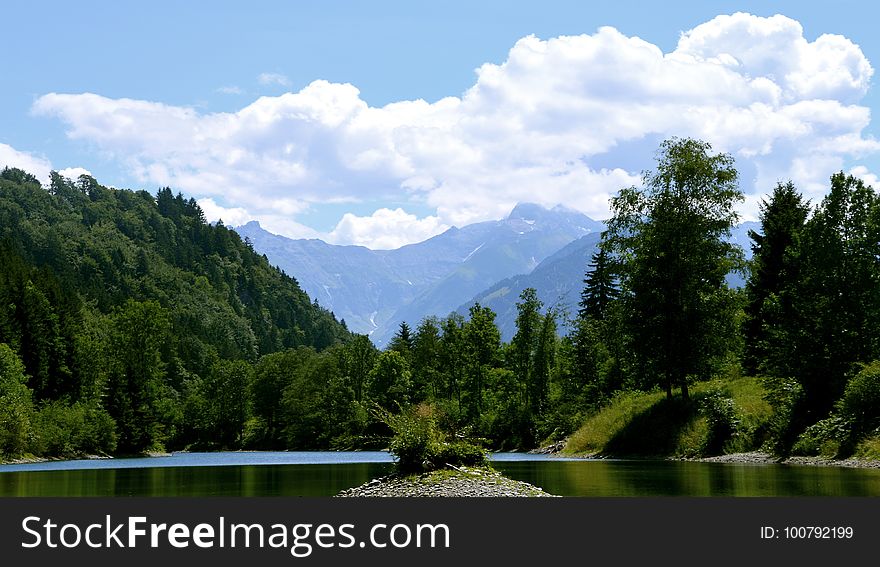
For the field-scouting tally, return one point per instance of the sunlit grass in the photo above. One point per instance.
(868, 448)
(599, 429)
(625, 419)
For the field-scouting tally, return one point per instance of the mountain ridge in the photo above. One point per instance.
(373, 290)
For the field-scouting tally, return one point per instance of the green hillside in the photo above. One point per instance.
(117, 304)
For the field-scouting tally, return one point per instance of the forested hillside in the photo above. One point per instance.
(121, 310)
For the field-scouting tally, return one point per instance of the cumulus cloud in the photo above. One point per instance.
(74, 172)
(231, 216)
(385, 229)
(266, 79)
(865, 175)
(565, 120)
(35, 165)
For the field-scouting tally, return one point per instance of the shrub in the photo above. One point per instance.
(722, 420)
(860, 403)
(420, 445)
(785, 396)
(822, 438)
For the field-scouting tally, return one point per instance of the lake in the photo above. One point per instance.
(327, 473)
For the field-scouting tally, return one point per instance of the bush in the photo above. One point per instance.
(823, 438)
(722, 420)
(785, 396)
(860, 403)
(421, 446)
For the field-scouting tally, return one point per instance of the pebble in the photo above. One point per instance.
(463, 483)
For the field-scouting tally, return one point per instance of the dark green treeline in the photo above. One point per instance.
(121, 312)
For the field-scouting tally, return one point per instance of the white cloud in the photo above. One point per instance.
(865, 175)
(231, 216)
(230, 90)
(273, 222)
(565, 120)
(73, 173)
(266, 79)
(385, 229)
(35, 165)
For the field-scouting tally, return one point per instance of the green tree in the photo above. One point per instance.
(16, 405)
(228, 405)
(782, 220)
(545, 364)
(525, 364)
(390, 381)
(402, 341)
(528, 329)
(482, 341)
(830, 311)
(452, 352)
(137, 379)
(359, 357)
(426, 374)
(600, 287)
(668, 238)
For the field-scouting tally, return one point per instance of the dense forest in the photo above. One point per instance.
(129, 324)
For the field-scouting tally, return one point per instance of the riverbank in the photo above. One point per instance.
(30, 459)
(758, 457)
(448, 483)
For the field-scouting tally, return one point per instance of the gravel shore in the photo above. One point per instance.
(757, 457)
(461, 482)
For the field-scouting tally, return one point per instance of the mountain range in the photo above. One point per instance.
(488, 262)
(374, 290)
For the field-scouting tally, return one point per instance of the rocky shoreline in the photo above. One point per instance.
(757, 457)
(454, 483)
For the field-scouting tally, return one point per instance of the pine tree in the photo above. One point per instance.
(600, 288)
(830, 312)
(782, 220)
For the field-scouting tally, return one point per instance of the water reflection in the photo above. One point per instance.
(679, 478)
(244, 480)
(565, 478)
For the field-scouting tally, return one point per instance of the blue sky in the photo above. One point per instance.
(176, 86)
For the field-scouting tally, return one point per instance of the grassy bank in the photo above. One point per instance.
(723, 417)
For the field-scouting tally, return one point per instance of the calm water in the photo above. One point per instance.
(326, 473)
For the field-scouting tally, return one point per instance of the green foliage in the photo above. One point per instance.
(389, 381)
(78, 429)
(16, 406)
(868, 448)
(722, 419)
(420, 445)
(724, 416)
(785, 395)
(600, 288)
(772, 269)
(131, 303)
(667, 238)
(822, 438)
(860, 404)
(829, 310)
(127, 323)
(600, 428)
